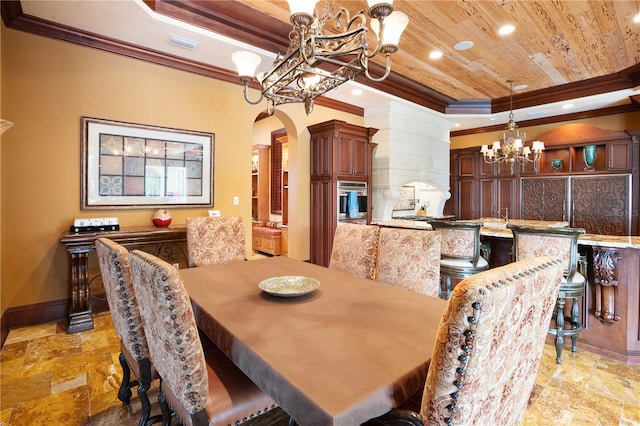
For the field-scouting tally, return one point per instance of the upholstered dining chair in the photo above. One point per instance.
(460, 251)
(201, 388)
(532, 241)
(354, 249)
(113, 260)
(410, 259)
(214, 240)
(488, 348)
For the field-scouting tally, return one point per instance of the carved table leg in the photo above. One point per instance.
(80, 317)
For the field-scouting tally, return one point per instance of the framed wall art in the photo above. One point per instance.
(134, 166)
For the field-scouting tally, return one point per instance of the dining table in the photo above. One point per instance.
(340, 354)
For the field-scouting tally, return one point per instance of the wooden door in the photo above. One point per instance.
(466, 195)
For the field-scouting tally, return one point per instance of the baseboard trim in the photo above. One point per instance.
(40, 313)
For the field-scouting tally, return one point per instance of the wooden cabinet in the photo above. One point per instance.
(603, 201)
(600, 204)
(351, 155)
(285, 241)
(339, 151)
(545, 198)
(285, 197)
(260, 182)
(485, 194)
(618, 156)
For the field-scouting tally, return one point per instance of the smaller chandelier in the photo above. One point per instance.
(316, 61)
(510, 148)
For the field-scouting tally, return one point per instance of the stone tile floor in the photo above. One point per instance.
(49, 377)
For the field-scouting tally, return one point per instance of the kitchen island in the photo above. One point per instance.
(610, 309)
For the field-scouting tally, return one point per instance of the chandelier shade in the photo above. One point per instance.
(511, 148)
(317, 61)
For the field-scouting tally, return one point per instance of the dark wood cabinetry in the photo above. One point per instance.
(603, 201)
(546, 198)
(260, 182)
(339, 151)
(600, 204)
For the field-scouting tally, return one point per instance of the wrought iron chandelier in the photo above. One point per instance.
(510, 147)
(317, 61)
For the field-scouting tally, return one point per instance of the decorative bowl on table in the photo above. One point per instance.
(162, 218)
(289, 285)
(556, 164)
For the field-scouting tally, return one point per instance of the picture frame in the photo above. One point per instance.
(139, 166)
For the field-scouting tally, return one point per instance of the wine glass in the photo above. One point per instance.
(590, 155)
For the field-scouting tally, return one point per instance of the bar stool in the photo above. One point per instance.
(460, 252)
(562, 243)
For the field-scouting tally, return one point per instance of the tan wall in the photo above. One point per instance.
(609, 122)
(48, 85)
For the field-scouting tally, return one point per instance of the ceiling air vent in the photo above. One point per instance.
(183, 42)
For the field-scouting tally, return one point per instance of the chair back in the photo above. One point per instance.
(561, 243)
(171, 329)
(354, 249)
(460, 240)
(489, 345)
(113, 260)
(410, 259)
(214, 240)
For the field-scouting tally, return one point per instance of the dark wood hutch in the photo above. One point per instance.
(604, 201)
(339, 151)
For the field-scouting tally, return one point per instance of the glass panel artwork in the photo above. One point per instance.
(149, 167)
(132, 165)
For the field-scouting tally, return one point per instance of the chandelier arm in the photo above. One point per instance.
(387, 70)
(244, 90)
(378, 40)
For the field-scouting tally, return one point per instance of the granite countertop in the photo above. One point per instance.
(403, 223)
(493, 227)
(493, 222)
(584, 239)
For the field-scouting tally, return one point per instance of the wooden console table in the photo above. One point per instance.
(79, 246)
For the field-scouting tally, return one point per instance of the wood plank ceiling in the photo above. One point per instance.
(560, 49)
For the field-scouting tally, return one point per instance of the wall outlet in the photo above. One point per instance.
(236, 201)
(214, 213)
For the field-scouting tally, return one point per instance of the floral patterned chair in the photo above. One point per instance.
(355, 249)
(488, 348)
(460, 252)
(213, 240)
(123, 305)
(410, 259)
(202, 388)
(562, 243)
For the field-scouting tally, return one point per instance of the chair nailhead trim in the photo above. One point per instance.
(461, 371)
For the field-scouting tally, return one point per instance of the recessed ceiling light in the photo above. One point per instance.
(636, 18)
(520, 87)
(506, 29)
(356, 92)
(182, 42)
(464, 45)
(436, 54)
